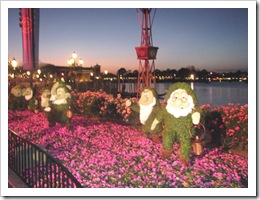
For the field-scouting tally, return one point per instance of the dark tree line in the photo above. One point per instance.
(185, 72)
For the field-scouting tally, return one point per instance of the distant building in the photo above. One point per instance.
(82, 74)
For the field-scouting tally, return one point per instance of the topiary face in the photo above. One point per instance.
(61, 93)
(183, 86)
(147, 97)
(28, 93)
(46, 93)
(179, 99)
(17, 91)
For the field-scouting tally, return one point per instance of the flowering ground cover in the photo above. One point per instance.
(105, 154)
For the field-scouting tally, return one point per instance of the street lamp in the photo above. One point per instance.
(72, 61)
(105, 75)
(14, 65)
(80, 62)
(74, 55)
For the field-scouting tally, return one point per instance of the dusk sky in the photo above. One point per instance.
(214, 39)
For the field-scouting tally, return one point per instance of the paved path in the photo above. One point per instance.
(14, 181)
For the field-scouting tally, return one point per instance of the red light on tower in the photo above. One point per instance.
(146, 51)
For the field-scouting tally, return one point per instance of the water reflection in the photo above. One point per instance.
(214, 93)
(192, 85)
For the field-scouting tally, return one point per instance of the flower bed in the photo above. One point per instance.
(106, 154)
(227, 126)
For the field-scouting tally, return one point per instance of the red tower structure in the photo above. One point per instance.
(146, 52)
(29, 22)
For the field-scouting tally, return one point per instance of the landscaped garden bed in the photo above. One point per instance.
(100, 153)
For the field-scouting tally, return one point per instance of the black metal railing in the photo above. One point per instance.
(36, 167)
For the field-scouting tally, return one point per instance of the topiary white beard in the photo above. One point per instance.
(28, 97)
(146, 110)
(45, 101)
(177, 112)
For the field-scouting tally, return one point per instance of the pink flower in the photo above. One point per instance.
(237, 128)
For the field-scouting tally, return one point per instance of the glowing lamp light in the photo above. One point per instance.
(105, 72)
(14, 63)
(81, 62)
(71, 61)
(74, 55)
(28, 73)
(39, 71)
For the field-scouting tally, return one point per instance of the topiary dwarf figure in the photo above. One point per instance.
(45, 98)
(179, 115)
(31, 100)
(148, 106)
(60, 102)
(15, 98)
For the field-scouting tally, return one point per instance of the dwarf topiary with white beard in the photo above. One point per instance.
(15, 98)
(148, 107)
(31, 100)
(45, 98)
(59, 104)
(179, 115)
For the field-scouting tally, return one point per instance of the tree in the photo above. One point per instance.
(183, 73)
(121, 71)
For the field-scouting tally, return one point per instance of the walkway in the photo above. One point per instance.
(14, 181)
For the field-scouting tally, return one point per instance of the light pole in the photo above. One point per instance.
(14, 65)
(104, 82)
(73, 63)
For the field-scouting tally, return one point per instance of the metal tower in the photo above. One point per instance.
(29, 22)
(146, 52)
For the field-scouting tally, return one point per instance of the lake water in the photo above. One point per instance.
(214, 93)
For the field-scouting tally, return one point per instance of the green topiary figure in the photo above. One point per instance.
(15, 98)
(31, 100)
(60, 102)
(179, 115)
(45, 98)
(148, 107)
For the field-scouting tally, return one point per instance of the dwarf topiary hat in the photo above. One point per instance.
(184, 86)
(58, 85)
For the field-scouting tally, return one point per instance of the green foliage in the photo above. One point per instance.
(96, 107)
